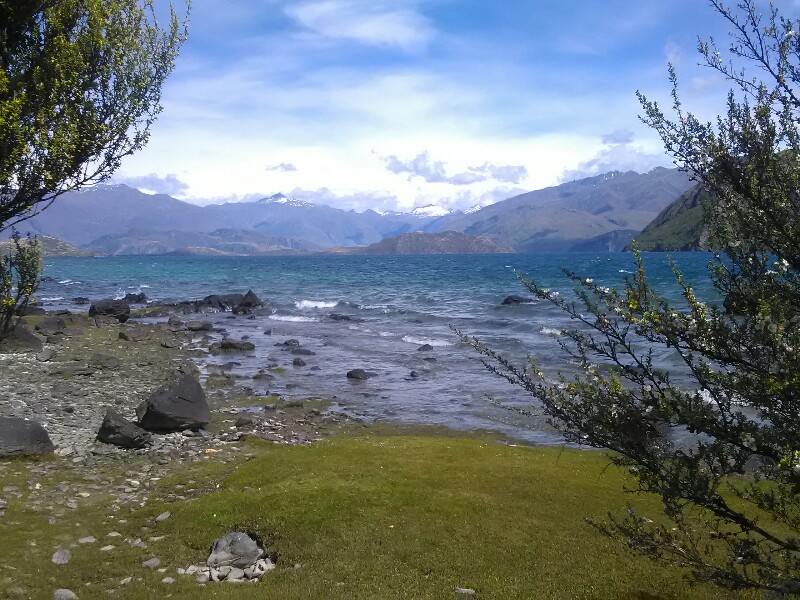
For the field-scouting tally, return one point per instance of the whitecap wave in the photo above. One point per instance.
(69, 282)
(410, 339)
(551, 331)
(386, 334)
(53, 299)
(314, 304)
(293, 319)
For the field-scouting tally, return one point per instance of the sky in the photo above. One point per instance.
(396, 104)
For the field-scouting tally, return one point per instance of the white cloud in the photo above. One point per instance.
(377, 23)
(435, 171)
(154, 183)
(617, 154)
(283, 167)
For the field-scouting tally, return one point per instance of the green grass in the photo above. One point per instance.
(371, 515)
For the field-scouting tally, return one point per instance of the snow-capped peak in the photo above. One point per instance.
(432, 210)
(281, 199)
(475, 208)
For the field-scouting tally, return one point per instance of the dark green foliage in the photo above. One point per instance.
(80, 85)
(722, 453)
(19, 280)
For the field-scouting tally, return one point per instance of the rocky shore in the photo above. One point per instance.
(77, 370)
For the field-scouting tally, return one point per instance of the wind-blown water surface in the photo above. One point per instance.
(397, 304)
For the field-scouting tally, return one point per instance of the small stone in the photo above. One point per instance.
(61, 557)
(191, 570)
(168, 580)
(108, 548)
(202, 578)
(151, 563)
(125, 581)
(163, 517)
(46, 355)
(223, 572)
(244, 421)
(465, 591)
(235, 573)
(64, 594)
(87, 540)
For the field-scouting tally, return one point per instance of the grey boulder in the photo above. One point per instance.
(118, 309)
(178, 405)
(20, 340)
(20, 437)
(235, 549)
(118, 431)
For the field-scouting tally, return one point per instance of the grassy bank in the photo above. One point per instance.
(372, 514)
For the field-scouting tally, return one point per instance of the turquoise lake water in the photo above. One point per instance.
(396, 303)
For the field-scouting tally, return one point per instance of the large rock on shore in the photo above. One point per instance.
(118, 309)
(20, 339)
(118, 431)
(222, 301)
(248, 303)
(20, 437)
(178, 405)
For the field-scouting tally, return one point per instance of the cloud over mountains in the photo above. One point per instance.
(435, 171)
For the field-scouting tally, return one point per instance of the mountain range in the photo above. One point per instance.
(601, 213)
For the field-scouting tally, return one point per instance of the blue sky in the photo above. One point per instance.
(392, 104)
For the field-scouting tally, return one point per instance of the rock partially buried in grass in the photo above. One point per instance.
(235, 549)
(178, 405)
(20, 437)
(64, 594)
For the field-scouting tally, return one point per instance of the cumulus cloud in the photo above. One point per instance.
(168, 184)
(379, 23)
(283, 167)
(435, 171)
(619, 154)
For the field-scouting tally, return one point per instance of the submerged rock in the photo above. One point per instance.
(515, 299)
(358, 374)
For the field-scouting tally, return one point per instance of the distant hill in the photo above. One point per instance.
(595, 214)
(558, 218)
(234, 242)
(679, 227)
(48, 245)
(613, 241)
(446, 242)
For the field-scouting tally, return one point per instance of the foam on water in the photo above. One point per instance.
(410, 339)
(293, 319)
(551, 331)
(302, 304)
